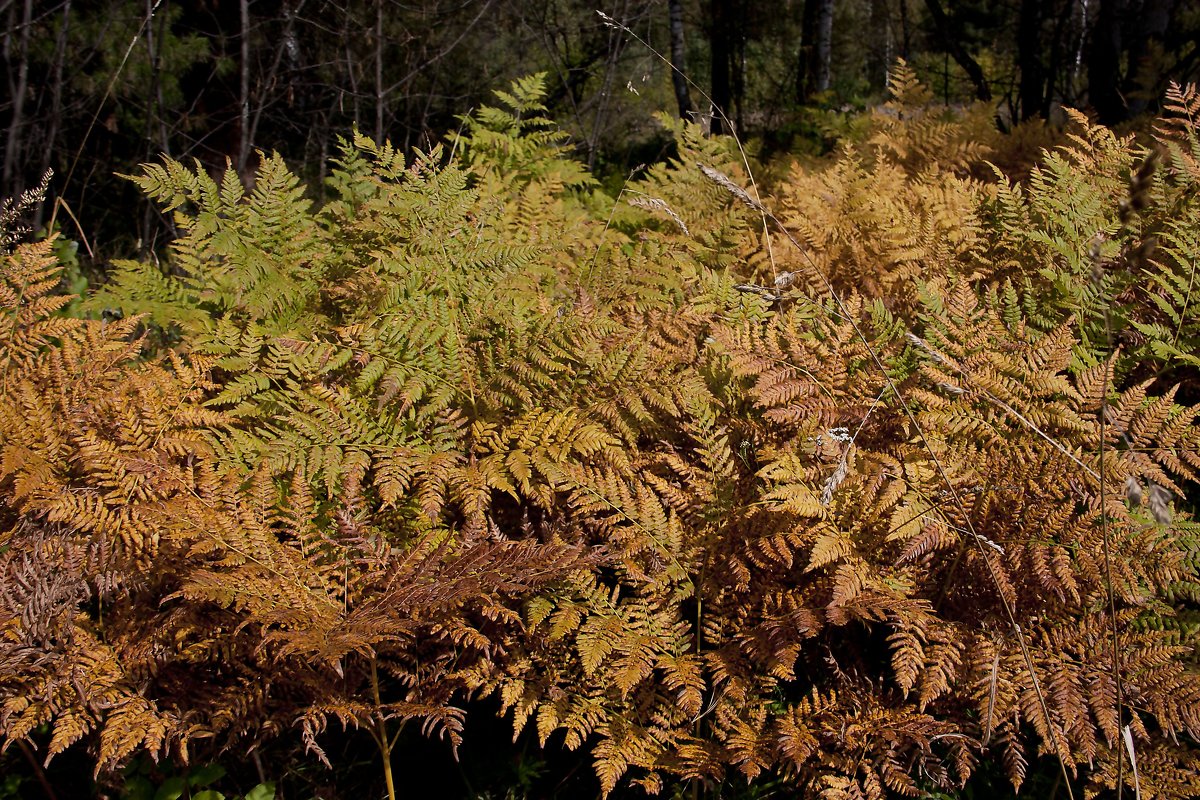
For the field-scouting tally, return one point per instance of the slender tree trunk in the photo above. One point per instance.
(823, 52)
(737, 67)
(56, 90)
(155, 124)
(1077, 67)
(1056, 71)
(879, 57)
(679, 60)
(805, 73)
(60, 58)
(616, 43)
(1029, 58)
(952, 42)
(1104, 64)
(155, 116)
(905, 31)
(243, 159)
(12, 150)
(352, 78)
(287, 46)
(379, 108)
(720, 37)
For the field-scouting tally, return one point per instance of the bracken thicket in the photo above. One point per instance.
(864, 483)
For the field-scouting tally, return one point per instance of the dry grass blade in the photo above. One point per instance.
(108, 90)
(725, 182)
(987, 724)
(1127, 735)
(716, 111)
(658, 204)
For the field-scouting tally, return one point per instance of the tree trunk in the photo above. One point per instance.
(823, 49)
(1104, 65)
(720, 38)
(1080, 43)
(155, 114)
(1029, 58)
(244, 100)
(1055, 69)
(13, 143)
(808, 42)
(289, 49)
(379, 107)
(952, 42)
(679, 60)
(879, 57)
(56, 91)
(737, 61)
(1140, 85)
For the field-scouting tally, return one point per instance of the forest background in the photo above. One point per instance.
(93, 89)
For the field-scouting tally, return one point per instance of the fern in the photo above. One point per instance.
(258, 257)
(471, 429)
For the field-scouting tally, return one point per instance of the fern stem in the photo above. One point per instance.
(38, 771)
(1139, 183)
(1187, 301)
(381, 733)
(1108, 572)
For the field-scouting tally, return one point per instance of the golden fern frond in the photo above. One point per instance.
(1179, 129)
(28, 277)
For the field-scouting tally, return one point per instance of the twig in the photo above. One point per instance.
(100, 107)
(716, 110)
(38, 772)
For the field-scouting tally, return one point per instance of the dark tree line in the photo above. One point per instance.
(92, 87)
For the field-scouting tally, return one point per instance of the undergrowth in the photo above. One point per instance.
(839, 490)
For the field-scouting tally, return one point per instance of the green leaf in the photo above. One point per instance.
(203, 776)
(171, 789)
(264, 791)
(138, 787)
